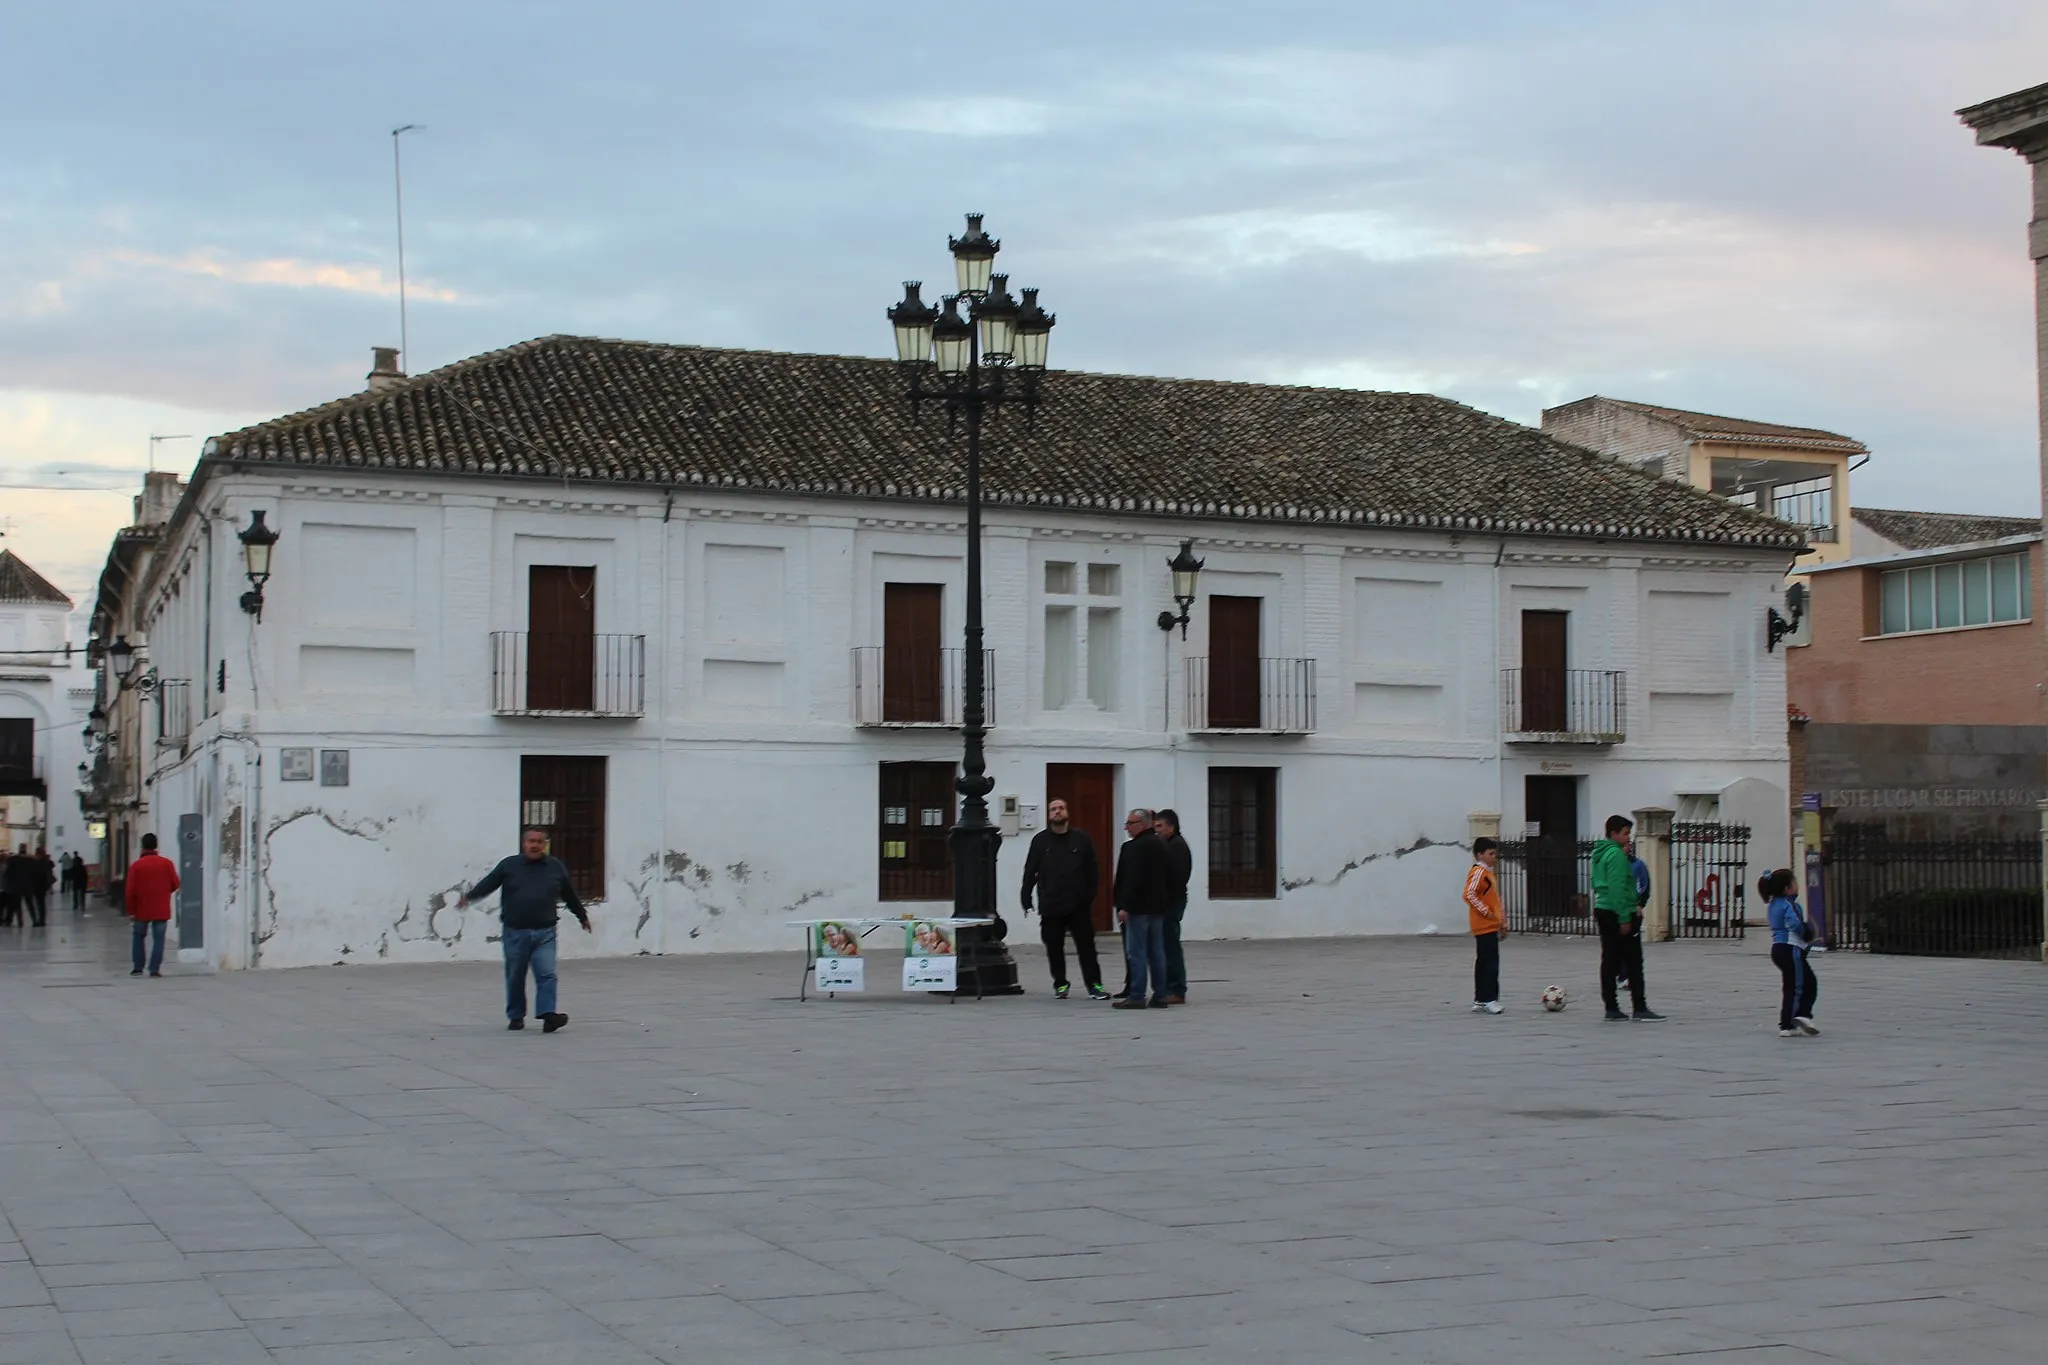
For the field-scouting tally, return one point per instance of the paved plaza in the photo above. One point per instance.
(1324, 1158)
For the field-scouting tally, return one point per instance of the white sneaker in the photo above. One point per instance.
(1788, 1033)
(1478, 1008)
(1807, 1027)
(1491, 1007)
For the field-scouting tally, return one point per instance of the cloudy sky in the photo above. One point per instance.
(1762, 209)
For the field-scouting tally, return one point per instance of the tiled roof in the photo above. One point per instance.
(1932, 530)
(642, 413)
(1706, 426)
(20, 583)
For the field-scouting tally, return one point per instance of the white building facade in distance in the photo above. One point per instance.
(697, 613)
(45, 696)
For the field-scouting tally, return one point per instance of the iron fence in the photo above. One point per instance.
(1544, 885)
(542, 673)
(1709, 880)
(1280, 698)
(917, 687)
(1943, 897)
(1564, 705)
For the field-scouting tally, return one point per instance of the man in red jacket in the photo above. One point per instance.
(151, 880)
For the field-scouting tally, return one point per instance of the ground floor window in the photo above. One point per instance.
(917, 817)
(565, 796)
(1243, 862)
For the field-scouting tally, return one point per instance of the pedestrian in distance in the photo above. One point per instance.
(146, 895)
(1062, 867)
(1791, 936)
(1489, 926)
(532, 885)
(1619, 915)
(20, 879)
(81, 882)
(1141, 905)
(46, 879)
(1180, 865)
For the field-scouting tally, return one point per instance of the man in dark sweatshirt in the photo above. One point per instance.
(1063, 868)
(532, 885)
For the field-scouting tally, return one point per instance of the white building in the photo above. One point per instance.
(45, 696)
(695, 611)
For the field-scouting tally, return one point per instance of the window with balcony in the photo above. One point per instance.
(916, 825)
(565, 796)
(1083, 636)
(1972, 592)
(559, 665)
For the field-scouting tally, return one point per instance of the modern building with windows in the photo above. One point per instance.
(698, 613)
(1796, 474)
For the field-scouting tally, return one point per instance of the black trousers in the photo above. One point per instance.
(1486, 970)
(1621, 955)
(10, 907)
(38, 906)
(1053, 929)
(78, 893)
(1800, 988)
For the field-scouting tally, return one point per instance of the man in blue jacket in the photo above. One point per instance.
(1619, 915)
(533, 884)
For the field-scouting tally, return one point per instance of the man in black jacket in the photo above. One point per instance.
(1180, 865)
(533, 884)
(1062, 865)
(1142, 900)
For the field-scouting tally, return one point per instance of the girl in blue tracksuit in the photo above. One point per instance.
(1790, 933)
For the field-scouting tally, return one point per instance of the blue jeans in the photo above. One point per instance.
(153, 929)
(1145, 948)
(526, 948)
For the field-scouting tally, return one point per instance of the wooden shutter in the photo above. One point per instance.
(913, 673)
(1243, 853)
(561, 637)
(917, 816)
(1543, 671)
(565, 796)
(1234, 663)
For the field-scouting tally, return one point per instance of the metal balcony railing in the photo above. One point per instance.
(541, 673)
(1267, 696)
(1564, 705)
(173, 710)
(913, 687)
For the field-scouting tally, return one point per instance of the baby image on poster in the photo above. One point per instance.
(837, 940)
(930, 940)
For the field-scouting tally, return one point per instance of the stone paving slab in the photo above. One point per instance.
(1324, 1157)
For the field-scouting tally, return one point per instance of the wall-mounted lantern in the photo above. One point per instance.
(121, 656)
(1185, 568)
(1777, 627)
(257, 542)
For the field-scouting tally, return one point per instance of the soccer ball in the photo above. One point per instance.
(1555, 998)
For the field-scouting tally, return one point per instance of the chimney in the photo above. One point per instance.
(161, 490)
(384, 371)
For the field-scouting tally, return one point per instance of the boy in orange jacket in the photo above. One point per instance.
(1482, 902)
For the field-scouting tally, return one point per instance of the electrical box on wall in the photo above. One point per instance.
(1027, 817)
(1008, 815)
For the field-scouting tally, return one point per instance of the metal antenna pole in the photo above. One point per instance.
(152, 448)
(398, 201)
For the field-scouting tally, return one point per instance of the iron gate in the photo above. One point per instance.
(1999, 915)
(1709, 880)
(1543, 885)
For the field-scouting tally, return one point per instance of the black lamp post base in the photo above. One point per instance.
(986, 960)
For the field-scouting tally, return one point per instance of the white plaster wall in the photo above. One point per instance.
(730, 812)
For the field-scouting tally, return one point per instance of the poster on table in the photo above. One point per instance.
(928, 957)
(837, 950)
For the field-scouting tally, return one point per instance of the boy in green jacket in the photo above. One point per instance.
(1616, 911)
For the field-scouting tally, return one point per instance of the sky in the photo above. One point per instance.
(1766, 210)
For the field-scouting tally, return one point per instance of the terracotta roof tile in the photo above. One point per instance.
(1707, 426)
(20, 583)
(1932, 530)
(644, 413)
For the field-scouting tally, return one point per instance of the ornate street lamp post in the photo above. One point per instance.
(974, 362)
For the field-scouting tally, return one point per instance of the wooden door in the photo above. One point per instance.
(1234, 663)
(1089, 789)
(1551, 805)
(913, 672)
(561, 637)
(1543, 672)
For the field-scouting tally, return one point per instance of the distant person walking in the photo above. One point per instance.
(1619, 916)
(1061, 865)
(46, 879)
(1791, 935)
(1180, 870)
(80, 882)
(534, 884)
(20, 880)
(1489, 926)
(1141, 904)
(152, 879)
